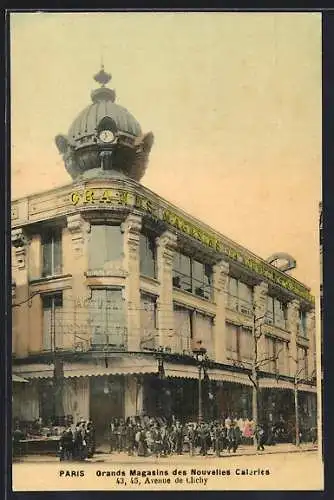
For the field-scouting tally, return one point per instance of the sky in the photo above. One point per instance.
(233, 100)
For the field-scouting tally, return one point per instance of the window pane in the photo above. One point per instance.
(232, 340)
(245, 295)
(47, 328)
(148, 322)
(47, 258)
(246, 344)
(183, 329)
(52, 321)
(114, 243)
(204, 331)
(107, 318)
(105, 245)
(57, 254)
(147, 255)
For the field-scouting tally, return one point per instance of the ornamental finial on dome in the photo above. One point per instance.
(102, 77)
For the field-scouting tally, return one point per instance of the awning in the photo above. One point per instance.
(180, 371)
(120, 366)
(32, 371)
(228, 376)
(16, 378)
(93, 368)
(307, 388)
(273, 383)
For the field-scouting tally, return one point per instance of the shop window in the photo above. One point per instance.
(105, 245)
(107, 318)
(239, 296)
(52, 321)
(147, 255)
(192, 276)
(52, 252)
(148, 322)
(183, 326)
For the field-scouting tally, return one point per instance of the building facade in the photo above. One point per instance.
(115, 288)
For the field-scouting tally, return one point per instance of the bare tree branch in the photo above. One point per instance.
(27, 299)
(274, 357)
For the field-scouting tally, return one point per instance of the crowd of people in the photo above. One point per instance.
(78, 443)
(157, 436)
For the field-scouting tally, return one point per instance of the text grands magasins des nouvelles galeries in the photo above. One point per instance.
(193, 476)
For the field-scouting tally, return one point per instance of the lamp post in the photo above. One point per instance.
(200, 355)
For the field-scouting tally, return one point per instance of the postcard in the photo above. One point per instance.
(166, 253)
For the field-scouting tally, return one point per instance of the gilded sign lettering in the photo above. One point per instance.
(120, 197)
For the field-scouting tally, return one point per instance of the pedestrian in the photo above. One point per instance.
(66, 445)
(90, 439)
(78, 442)
(232, 438)
(130, 438)
(260, 437)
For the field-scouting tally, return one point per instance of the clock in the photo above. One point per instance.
(106, 136)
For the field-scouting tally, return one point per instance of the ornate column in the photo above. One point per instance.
(312, 351)
(292, 326)
(166, 244)
(75, 262)
(259, 309)
(132, 227)
(219, 280)
(20, 244)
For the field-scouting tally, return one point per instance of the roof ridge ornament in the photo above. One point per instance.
(102, 77)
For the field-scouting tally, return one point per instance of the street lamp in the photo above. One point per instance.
(200, 356)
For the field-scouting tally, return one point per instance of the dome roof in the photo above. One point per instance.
(103, 106)
(87, 150)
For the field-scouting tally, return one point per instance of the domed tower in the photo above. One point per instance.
(105, 140)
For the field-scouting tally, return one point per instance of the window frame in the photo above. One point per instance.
(55, 335)
(189, 279)
(150, 239)
(51, 236)
(92, 245)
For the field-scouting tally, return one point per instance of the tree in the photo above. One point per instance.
(259, 358)
(297, 380)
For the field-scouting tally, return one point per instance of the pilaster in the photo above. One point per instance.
(132, 227)
(219, 283)
(20, 244)
(311, 330)
(166, 245)
(133, 396)
(260, 300)
(75, 262)
(292, 326)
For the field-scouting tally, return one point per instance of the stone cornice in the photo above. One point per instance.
(129, 195)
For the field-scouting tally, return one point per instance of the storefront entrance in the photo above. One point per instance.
(106, 403)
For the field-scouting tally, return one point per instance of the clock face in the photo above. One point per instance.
(106, 136)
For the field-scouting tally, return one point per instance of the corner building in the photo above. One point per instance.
(114, 287)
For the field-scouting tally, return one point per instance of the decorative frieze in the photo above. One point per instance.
(20, 244)
(78, 228)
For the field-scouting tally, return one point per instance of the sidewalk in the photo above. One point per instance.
(103, 454)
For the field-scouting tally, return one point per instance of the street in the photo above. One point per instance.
(298, 470)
